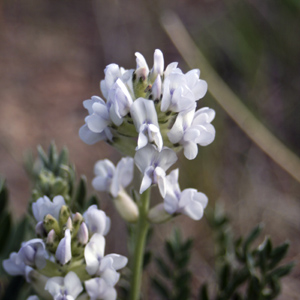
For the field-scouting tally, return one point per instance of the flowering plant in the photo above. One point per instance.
(149, 115)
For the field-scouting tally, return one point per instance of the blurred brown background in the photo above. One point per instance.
(52, 56)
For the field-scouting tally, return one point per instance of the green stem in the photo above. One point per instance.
(138, 257)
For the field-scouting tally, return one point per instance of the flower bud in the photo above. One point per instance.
(77, 221)
(51, 223)
(52, 241)
(64, 214)
(69, 224)
(157, 214)
(63, 252)
(83, 234)
(126, 207)
(40, 230)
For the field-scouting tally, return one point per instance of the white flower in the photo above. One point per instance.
(154, 164)
(64, 288)
(113, 179)
(96, 220)
(97, 288)
(182, 90)
(63, 252)
(13, 265)
(100, 265)
(120, 102)
(145, 120)
(98, 118)
(189, 201)
(141, 64)
(44, 206)
(32, 254)
(191, 129)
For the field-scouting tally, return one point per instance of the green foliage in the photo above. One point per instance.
(174, 280)
(240, 263)
(52, 174)
(11, 237)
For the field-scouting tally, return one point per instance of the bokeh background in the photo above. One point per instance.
(52, 57)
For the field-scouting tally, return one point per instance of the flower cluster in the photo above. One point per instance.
(68, 250)
(150, 114)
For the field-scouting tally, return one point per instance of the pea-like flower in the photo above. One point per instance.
(64, 288)
(96, 220)
(153, 165)
(44, 206)
(189, 201)
(97, 288)
(104, 266)
(113, 179)
(192, 128)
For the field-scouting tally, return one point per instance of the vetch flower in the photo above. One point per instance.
(189, 201)
(64, 288)
(44, 206)
(97, 288)
(113, 179)
(145, 120)
(192, 128)
(153, 165)
(96, 220)
(100, 265)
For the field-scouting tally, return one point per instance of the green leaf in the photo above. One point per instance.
(5, 225)
(224, 276)
(170, 251)
(161, 289)
(282, 271)
(147, 259)
(43, 157)
(80, 193)
(3, 195)
(278, 254)
(252, 236)
(163, 267)
(203, 295)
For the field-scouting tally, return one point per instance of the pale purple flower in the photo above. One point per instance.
(44, 206)
(113, 179)
(63, 252)
(145, 120)
(153, 165)
(189, 201)
(191, 129)
(96, 220)
(97, 288)
(181, 91)
(100, 265)
(32, 254)
(64, 288)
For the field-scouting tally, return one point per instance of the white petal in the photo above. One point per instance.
(146, 181)
(141, 62)
(94, 250)
(123, 175)
(96, 123)
(73, 284)
(63, 252)
(158, 65)
(144, 157)
(170, 203)
(190, 150)
(167, 158)
(89, 137)
(119, 261)
(96, 220)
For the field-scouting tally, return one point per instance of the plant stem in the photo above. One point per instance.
(138, 258)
